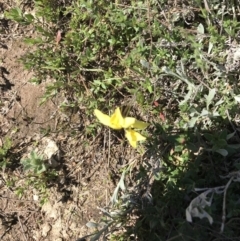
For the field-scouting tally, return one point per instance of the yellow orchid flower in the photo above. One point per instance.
(133, 137)
(115, 121)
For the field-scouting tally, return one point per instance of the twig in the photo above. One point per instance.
(109, 146)
(206, 6)
(6, 231)
(19, 220)
(224, 204)
(223, 8)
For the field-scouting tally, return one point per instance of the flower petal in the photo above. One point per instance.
(133, 137)
(128, 122)
(105, 119)
(116, 119)
(140, 125)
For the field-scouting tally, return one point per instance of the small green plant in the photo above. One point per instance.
(34, 163)
(17, 15)
(38, 176)
(4, 153)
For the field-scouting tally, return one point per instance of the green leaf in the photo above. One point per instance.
(42, 168)
(237, 98)
(204, 112)
(97, 236)
(222, 135)
(14, 14)
(221, 143)
(229, 136)
(234, 146)
(208, 136)
(210, 97)
(210, 46)
(187, 96)
(114, 198)
(29, 18)
(33, 41)
(200, 29)
(223, 152)
(192, 122)
(92, 225)
(219, 102)
(145, 64)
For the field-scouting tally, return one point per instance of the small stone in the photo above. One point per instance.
(35, 197)
(45, 229)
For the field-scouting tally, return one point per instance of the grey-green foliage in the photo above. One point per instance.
(34, 163)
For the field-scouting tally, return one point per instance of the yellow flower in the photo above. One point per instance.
(133, 137)
(115, 121)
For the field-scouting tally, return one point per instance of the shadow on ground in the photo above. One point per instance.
(178, 164)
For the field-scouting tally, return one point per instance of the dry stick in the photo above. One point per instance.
(106, 201)
(109, 142)
(224, 204)
(6, 231)
(175, 237)
(206, 6)
(19, 220)
(69, 217)
(19, 211)
(149, 24)
(223, 8)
